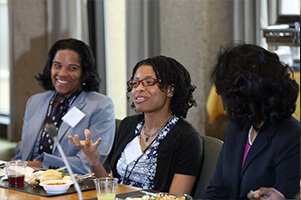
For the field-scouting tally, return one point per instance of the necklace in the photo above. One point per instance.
(150, 135)
(249, 136)
(147, 136)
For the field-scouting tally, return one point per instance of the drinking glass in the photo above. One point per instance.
(106, 188)
(15, 171)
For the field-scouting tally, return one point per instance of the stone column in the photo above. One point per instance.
(28, 39)
(192, 32)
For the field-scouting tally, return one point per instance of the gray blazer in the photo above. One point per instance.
(99, 119)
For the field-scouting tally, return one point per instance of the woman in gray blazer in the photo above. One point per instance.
(72, 104)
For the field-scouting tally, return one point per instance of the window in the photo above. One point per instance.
(289, 7)
(4, 58)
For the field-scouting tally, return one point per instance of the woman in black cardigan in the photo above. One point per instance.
(157, 149)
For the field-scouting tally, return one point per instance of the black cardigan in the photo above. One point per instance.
(183, 136)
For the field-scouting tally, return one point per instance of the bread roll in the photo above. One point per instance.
(50, 174)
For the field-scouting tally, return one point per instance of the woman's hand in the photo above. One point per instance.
(87, 146)
(266, 194)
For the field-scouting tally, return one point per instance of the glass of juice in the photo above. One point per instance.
(15, 171)
(106, 188)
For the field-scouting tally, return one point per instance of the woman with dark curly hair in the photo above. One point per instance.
(72, 85)
(262, 142)
(157, 149)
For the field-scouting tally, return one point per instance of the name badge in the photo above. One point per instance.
(132, 150)
(73, 116)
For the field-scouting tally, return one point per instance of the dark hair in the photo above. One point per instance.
(90, 80)
(255, 86)
(171, 73)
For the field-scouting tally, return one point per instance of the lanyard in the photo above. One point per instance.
(54, 116)
(50, 106)
(127, 177)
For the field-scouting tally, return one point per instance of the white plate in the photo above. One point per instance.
(146, 195)
(57, 192)
(56, 189)
(2, 173)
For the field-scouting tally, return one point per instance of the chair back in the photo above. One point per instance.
(212, 147)
(106, 164)
(117, 123)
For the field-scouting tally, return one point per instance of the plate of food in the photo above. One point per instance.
(146, 195)
(56, 186)
(39, 177)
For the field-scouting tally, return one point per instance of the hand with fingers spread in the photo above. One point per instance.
(90, 150)
(87, 146)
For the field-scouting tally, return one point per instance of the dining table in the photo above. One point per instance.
(12, 194)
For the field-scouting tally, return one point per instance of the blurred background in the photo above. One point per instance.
(122, 32)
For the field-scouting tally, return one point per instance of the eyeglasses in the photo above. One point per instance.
(145, 82)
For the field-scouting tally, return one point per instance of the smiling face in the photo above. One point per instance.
(150, 99)
(66, 72)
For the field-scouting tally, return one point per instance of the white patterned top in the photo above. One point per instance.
(141, 172)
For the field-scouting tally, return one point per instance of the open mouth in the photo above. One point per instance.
(140, 99)
(61, 81)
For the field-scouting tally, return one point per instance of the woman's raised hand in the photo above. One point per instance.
(87, 146)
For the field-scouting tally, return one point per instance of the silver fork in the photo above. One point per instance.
(61, 168)
(150, 193)
(85, 176)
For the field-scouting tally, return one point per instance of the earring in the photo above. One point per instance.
(170, 92)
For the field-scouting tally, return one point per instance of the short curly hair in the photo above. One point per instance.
(91, 79)
(254, 84)
(171, 73)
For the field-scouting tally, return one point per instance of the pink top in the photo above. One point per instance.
(246, 152)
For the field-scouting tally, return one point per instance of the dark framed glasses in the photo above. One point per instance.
(145, 82)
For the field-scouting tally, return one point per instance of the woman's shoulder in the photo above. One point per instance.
(126, 128)
(182, 136)
(130, 121)
(292, 122)
(92, 95)
(183, 131)
(134, 117)
(42, 95)
(185, 127)
(289, 126)
(286, 139)
(95, 98)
